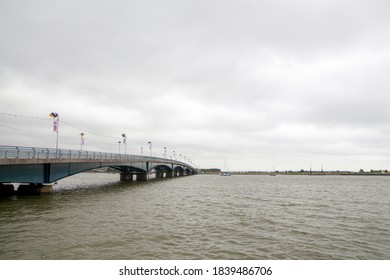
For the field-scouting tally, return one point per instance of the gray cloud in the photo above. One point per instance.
(258, 83)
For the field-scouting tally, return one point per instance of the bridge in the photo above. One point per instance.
(34, 170)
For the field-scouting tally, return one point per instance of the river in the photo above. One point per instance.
(94, 216)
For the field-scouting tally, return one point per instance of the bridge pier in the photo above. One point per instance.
(169, 174)
(159, 174)
(129, 176)
(6, 190)
(34, 189)
(142, 176)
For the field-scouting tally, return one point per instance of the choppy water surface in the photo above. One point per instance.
(93, 216)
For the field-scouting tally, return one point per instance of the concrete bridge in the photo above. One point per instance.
(34, 170)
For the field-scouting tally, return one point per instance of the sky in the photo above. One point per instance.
(256, 84)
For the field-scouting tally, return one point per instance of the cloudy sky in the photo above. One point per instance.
(260, 84)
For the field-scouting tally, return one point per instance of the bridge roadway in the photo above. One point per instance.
(36, 169)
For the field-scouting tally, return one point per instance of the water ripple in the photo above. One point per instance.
(201, 217)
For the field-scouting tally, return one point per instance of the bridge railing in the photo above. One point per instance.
(12, 152)
(48, 153)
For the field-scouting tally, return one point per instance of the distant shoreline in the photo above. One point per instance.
(300, 173)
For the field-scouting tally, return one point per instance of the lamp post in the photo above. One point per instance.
(81, 140)
(119, 146)
(56, 127)
(165, 152)
(142, 151)
(125, 141)
(150, 148)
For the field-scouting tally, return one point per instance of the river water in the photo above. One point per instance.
(93, 216)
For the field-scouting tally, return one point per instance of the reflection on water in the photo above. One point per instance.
(93, 216)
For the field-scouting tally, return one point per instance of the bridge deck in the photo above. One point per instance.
(44, 165)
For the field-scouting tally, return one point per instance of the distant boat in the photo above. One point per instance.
(225, 173)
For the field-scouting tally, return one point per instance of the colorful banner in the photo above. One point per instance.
(53, 115)
(56, 121)
(55, 125)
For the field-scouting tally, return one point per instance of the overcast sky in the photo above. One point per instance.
(260, 84)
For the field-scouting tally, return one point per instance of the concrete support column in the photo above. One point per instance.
(127, 176)
(159, 174)
(169, 174)
(34, 189)
(142, 176)
(6, 190)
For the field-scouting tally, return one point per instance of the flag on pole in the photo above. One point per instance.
(55, 121)
(55, 125)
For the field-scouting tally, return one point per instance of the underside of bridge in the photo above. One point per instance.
(39, 178)
(131, 173)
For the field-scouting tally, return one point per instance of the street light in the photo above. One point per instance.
(142, 151)
(124, 142)
(82, 134)
(119, 145)
(56, 127)
(165, 152)
(150, 148)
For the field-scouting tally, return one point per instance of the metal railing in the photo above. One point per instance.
(12, 152)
